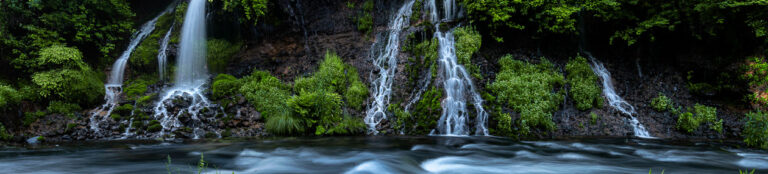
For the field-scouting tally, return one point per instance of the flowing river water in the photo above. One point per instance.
(385, 155)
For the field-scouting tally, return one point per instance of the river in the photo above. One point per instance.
(384, 155)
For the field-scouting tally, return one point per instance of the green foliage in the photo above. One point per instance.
(426, 112)
(69, 79)
(356, 95)
(284, 124)
(31, 117)
(504, 124)
(115, 116)
(747, 171)
(63, 108)
(690, 122)
(8, 97)
(225, 85)
(124, 109)
(267, 94)
(468, 41)
(583, 81)
(4, 134)
(93, 26)
(249, 10)
(528, 89)
(756, 74)
(661, 103)
(154, 126)
(144, 57)
(321, 108)
(220, 53)
(425, 54)
(364, 20)
(756, 129)
(593, 118)
(402, 117)
(138, 86)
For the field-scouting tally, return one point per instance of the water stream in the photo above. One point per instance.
(162, 54)
(386, 64)
(457, 83)
(386, 155)
(191, 73)
(614, 100)
(114, 86)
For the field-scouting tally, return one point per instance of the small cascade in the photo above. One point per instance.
(614, 99)
(162, 55)
(457, 83)
(424, 84)
(114, 86)
(386, 63)
(186, 97)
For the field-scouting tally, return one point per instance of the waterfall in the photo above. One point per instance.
(457, 83)
(114, 85)
(386, 63)
(162, 54)
(191, 73)
(614, 99)
(191, 69)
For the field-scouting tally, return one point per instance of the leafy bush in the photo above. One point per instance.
(220, 52)
(225, 85)
(60, 107)
(284, 124)
(661, 103)
(594, 118)
(504, 124)
(756, 74)
(583, 81)
(756, 129)
(73, 81)
(321, 108)
(4, 134)
(701, 114)
(468, 41)
(267, 94)
(402, 117)
(356, 95)
(427, 111)
(249, 10)
(31, 117)
(125, 109)
(365, 19)
(528, 89)
(8, 96)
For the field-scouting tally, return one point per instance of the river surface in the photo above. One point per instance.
(384, 155)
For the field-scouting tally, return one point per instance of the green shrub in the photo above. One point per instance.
(225, 85)
(155, 127)
(661, 103)
(356, 95)
(528, 89)
(70, 79)
(321, 108)
(594, 118)
(402, 117)
(4, 134)
(468, 41)
(249, 10)
(701, 114)
(504, 124)
(267, 94)
(365, 19)
(8, 97)
(756, 129)
(583, 81)
(60, 107)
(220, 53)
(31, 117)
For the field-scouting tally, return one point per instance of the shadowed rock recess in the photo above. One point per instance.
(217, 69)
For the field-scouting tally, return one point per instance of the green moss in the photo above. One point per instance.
(583, 82)
(426, 112)
(124, 109)
(468, 41)
(138, 87)
(756, 129)
(220, 53)
(144, 57)
(71, 126)
(529, 90)
(115, 117)
(425, 54)
(225, 85)
(402, 117)
(593, 118)
(145, 100)
(154, 126)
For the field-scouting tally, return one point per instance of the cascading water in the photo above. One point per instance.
(386, 63)
(456, 82)
(114, 86)
(162, 54)
(614, 99)
(191, 73)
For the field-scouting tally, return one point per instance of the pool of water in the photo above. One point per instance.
(384, 155)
